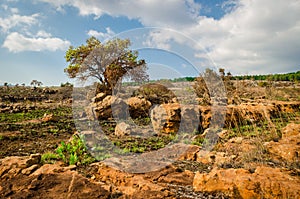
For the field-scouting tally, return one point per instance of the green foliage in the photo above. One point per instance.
(155, 93)
(295, 76)
(106, 62)
(74, 152)
(34, 114)
(49, 158)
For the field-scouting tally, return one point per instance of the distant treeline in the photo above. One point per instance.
(295, 76)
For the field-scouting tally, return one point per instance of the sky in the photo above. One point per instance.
(176, 37)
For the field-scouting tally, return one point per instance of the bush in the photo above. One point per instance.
(155, 93)
(72, 153)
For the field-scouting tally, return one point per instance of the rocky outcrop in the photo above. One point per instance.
(24, 177)
(166, 118)
(265, 182)
(288, 147)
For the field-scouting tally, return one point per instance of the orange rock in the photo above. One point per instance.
(266, 182)
(287, 148)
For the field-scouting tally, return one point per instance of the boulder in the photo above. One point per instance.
(109, 107)
(190, 118)
(138, 107)
(122, 129)
(166, 118)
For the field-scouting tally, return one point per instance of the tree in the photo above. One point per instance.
(222, 72)
(36, 83)
(106, 62)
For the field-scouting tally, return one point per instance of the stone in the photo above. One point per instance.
(109, 107)
(138, 107)
(190, 118)
(49, 118)
(99, 97)
(165, 118)
(288, 147)
(33, 159)
(30, 169)
(265, 182)
(122, 129)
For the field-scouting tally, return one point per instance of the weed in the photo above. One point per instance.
(74, 152)
(49, 158)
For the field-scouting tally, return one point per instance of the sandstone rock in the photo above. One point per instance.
(165, 118)
(129, 184)
(214, 158)
(122, 129)
(190, 153)
(266, 182)
(99, 97)
(138, 107)
(30, 169)
(109, 107)
(237, 140)
(190, 118)
(288, 147)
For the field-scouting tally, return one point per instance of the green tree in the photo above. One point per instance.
(36, 83)
(107, 62)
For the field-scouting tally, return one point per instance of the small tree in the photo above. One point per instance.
(106, 62)
(35, 83)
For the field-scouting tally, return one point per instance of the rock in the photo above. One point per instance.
(223, 134)
(129, 184)
(49, 118)
(165, 118)
(237, 140)
(122, 129)
(214, 158)
(138, 107)
(30, 169)
(190, 118)
(33, 159)
(109, 107)
(99, 97)
(265, 182)
(190, 153)
(288, 147)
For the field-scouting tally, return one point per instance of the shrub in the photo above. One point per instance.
(73, 152)
(155, 93)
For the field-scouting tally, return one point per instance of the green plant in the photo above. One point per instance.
(74, 152)
(49, 157)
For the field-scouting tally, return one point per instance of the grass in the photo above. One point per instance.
(49, 158)
(34, 114)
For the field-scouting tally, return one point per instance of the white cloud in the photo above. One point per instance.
(16, 42)
(43, 34)
(15, 20)
(253, 36)
(165, 13)
(102, 35)
(14, 10)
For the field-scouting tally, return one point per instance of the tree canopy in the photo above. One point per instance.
(107, 62)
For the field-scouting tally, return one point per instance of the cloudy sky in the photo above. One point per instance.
(176, 37)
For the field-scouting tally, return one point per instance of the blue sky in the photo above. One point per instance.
(176, 37)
